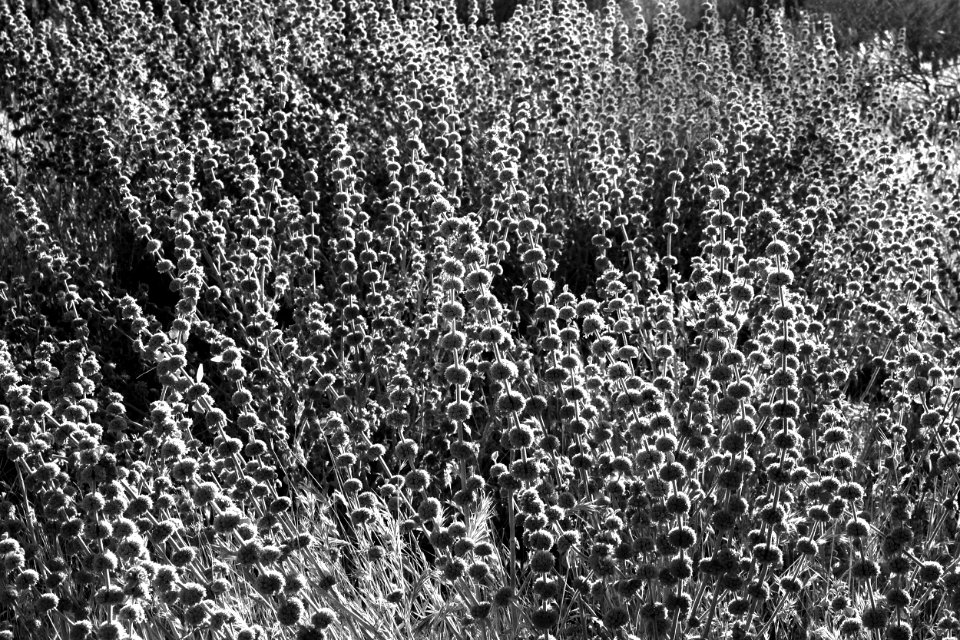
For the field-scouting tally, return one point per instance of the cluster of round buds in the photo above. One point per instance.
(720, 249)
(741, 172)
(212, 156)
(347, 219)
(457, 374)
(577, 412)
(783, 413)
(311, 219)
(189, 279)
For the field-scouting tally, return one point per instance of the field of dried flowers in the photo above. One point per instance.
(364, 319)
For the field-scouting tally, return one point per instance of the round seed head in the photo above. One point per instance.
(478, 571)
(416, 480)
(766, 553)
(678, 503)
(429, 509)
(682, 537)
(865, 569)
(615, 617)
(857, 528)
(930, 571)
(48, 602)
(323, 618)
(874, 617)
(899, 630)
(290, 612)
(111, 631)
(454, 569)
(850, 626)
(542, 561)
(897, 597)
(545, 618)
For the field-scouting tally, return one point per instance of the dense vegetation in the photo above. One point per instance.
(366, 319)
